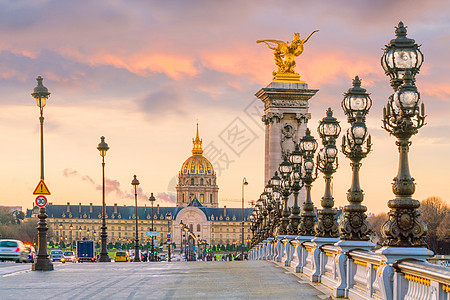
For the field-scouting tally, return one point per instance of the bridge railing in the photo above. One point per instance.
(360, 274)
(415, 279)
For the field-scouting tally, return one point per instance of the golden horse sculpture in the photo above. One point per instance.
(284, 55)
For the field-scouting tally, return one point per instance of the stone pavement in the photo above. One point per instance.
(159, 280)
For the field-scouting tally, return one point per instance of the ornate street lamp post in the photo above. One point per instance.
(275, 182)
(181, 238)
(168, 218)
(103, 147)
(285, 169)
(356, 144)
(294, 219)
(135, 183)
(152, 199)
(327, 163)
(402, 118)
(401, 54)
(41, 94)
(308, 146)
(244, 183)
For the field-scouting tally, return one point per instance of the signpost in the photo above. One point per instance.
(41, 189)
(152, 233)
(168, 237)
(41, 201)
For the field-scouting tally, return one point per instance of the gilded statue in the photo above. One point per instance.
(284, 55)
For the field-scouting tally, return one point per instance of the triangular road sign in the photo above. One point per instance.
(41, 189)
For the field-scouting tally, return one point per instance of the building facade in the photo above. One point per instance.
(196, 207)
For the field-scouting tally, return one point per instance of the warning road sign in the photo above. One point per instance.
(41, 201)
(41, 189)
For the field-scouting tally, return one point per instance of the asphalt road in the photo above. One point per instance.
(158, 280)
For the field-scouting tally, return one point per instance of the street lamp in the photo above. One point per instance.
(152, 199)
(403, 117)
(181, 237)
(41, 93)
(275, 181)
(401, 54)
(356, 144)
(79, 231)
(285, 169)
(308, 146)
(294, 219)
(103, 147)
(168, 218)
(327, 163)
(244, 183)
(71, 236)
(135, 183)
(88, 232)
(60, 234)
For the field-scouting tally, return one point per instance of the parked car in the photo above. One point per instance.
(12, 250)
(121, 256)
(56, 255)
(69, 256)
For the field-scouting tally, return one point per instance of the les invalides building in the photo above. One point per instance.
(197, 207)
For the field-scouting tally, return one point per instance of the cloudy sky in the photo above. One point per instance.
(142, 72)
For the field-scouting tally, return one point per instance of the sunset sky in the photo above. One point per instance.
(142, 72)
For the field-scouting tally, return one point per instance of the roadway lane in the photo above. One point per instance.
(160, 280)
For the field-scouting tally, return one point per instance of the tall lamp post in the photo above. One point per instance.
(285, 169)
(244, 183)
(308, 146)
(41, 94)
(135, 183)
(327, 163)
(356, 144)
(103, 147)
(402, 118)
(294, 219)
(60, 234)
(169, 240)
(181, 237)
(152, 257)
(71, 236)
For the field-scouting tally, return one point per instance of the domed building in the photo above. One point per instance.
(197, 179)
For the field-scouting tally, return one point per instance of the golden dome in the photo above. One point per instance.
(197, 164)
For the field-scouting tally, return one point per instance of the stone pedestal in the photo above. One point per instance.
(285, 117)
(280, 248)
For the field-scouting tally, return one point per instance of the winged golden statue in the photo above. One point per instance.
(284, 55)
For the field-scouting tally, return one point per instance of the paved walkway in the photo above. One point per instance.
(175, 280)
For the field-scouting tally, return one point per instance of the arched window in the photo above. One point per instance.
(183, 197)
(198, 227)
(192, 181)
(201, 181)
(210, 198)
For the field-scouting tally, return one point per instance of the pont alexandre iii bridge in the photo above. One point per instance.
(340, 256)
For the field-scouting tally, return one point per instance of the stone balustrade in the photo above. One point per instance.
(356, 273)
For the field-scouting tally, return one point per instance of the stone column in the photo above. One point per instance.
(285, 117)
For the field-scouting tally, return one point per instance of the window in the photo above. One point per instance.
(212, 235)
(212, 229)
(191, 227)
(183, 198)
(201, 181)
(210, 198)
(202, 197)
(192, 181)
(198, 227)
